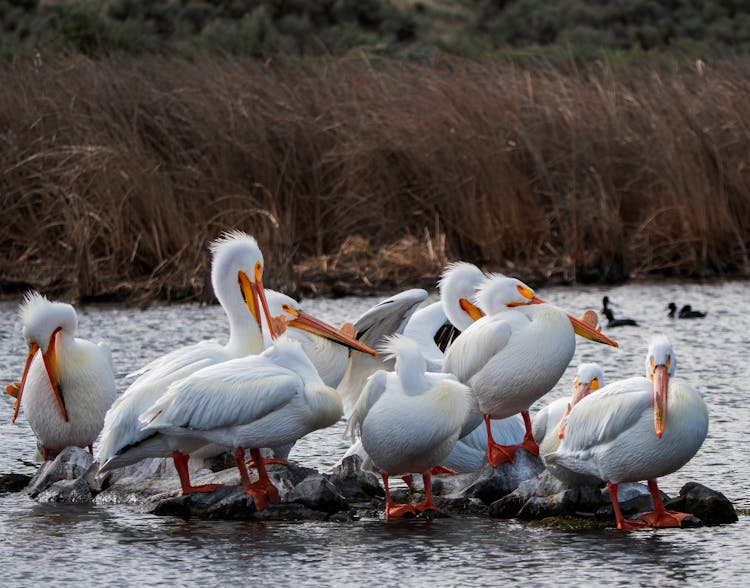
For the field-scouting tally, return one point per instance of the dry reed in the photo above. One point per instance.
(357, 176)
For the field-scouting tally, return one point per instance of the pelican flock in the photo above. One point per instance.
(450, 391)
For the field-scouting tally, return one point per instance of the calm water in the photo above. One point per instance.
(97, 545)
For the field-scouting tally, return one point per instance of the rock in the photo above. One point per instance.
(317, 493)
(354, 483)
(70, 491)
(227, 502)
(72, 463)
(710, 506)
(13, 482)
(492, 484)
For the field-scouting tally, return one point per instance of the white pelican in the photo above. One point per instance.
(514, 355)
(236, 272)
(549, 423)
(635, 429)
(451, 315)
(68, 383)
(409, 420)
(265, 400)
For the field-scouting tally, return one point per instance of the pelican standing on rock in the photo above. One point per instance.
(67, 384)
(409, 420)
(514, 355)
(548, 425)
(267, 400)
(635, 429)
(236, 276)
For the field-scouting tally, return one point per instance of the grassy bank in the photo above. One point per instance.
(356, 174)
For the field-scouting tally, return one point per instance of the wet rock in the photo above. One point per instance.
(69, 491)
(710, 506)
(226, 503)
(354, 483)
(491, 484)
(317, 493)
(13, 482)
(71, 464)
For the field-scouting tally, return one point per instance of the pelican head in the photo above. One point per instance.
(499, 292)
(42, 322)
(294, 316)
(660, 365)
(589, 378)
(458, 282)
(236, 276)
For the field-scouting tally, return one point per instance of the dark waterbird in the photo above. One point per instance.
(611, 320)
(686, 312)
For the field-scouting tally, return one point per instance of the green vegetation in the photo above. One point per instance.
(475, 28)
(368, 174)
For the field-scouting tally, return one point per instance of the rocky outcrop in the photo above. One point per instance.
(522, 490)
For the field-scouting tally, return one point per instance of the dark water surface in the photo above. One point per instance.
(117, 545)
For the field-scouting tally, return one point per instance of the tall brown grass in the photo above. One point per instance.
(353, 174)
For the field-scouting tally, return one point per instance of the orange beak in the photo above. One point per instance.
(471, 309)
(255, 298)
(661, 387)
(564, 422)
(309, 323)
(33, 348)
(50, 365)
(583, 329)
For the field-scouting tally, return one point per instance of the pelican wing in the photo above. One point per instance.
(234, 393)
(602, 417)
(386, 318)
(547, 418)
(371, 393)
(177, 360)
(471, 350)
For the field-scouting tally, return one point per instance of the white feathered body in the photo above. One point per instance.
(545, 426)
(410, 433)
(87, 384)
(253, 402)
(511, 359)
(610, 435)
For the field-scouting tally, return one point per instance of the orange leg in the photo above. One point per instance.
(262, 491)
(497, 454)
(394, 511)
(622, 524)
(427, 504)
(181, 465)
(529, 444)
(661, 517)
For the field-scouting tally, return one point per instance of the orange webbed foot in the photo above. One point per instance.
(266, 460)
(626, 525)
(666, 518)
(263, 493)
(497, 454)
(438, 469)
(530, 445)
(399, 511)
(200, 489)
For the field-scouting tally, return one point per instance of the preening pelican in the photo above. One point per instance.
(68, 383)
(514, 355)
(265, 400)
(635, 429)
(236, 276)
(409, 420)
(549, 423)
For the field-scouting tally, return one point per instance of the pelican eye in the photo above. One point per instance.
(595, 383)
(288, 309)
(258, 271)
(575, 383)
(668, 362)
